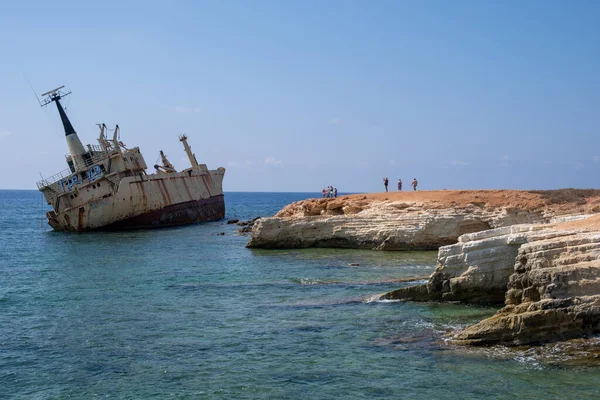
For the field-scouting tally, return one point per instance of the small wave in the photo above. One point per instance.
(311, 281)
(424, 339)
(319, 303)
(377, 300)
(452, 327)
(420, 324)
(575, 352)
(529, 361)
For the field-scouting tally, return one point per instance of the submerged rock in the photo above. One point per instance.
(538, 322)
(246, 226)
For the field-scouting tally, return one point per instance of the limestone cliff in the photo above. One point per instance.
(552, 294)
(478, 267)
(409, 220)
(548, 275)
(539, 252)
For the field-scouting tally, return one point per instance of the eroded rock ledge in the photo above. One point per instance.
(553, 294)
(411, 220)
(548, 276)
(477, 268)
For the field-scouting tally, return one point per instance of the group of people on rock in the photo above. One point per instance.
(414, 184)
(329, 192)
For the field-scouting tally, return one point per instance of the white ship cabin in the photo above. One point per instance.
(92, 173)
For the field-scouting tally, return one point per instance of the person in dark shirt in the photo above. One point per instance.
(385, 183)
(414, 184)
(399, 184)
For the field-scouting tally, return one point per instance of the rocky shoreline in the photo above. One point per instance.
(538, 252)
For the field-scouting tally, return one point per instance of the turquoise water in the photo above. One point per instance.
(189, 313)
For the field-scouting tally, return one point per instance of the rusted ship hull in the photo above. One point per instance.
(144, 201)
(191, 212)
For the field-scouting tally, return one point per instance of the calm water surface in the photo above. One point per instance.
(188, 313)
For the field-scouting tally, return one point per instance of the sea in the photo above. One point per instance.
(191, 313)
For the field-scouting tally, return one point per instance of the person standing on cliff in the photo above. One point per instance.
(335, 192)
(399, 185)
(414, 184)
(385, 183)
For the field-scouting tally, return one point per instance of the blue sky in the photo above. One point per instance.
(298, 95)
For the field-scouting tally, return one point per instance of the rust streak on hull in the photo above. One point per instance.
(142, 190)
(187, 189)
(163, 191)
(80, 219)
(190, 212)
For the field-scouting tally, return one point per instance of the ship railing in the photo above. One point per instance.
(97, 158)
(92, 147)
(54, 178)
(67, 172)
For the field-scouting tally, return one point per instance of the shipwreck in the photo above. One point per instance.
(106, 185)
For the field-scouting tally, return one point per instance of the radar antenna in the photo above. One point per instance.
(54, 95)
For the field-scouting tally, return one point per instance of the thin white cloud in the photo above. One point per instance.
(505, 158)
(232, 164)
(5, 134)
(596, 158)
(579, 166)
(181, 109)
(458, 163)
(335, 121)
(392, 162)
(364, 163)
(272, 161)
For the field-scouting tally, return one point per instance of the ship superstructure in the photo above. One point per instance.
(106, 185)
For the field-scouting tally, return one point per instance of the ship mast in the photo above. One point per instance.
(188, 150)
(78, 153)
